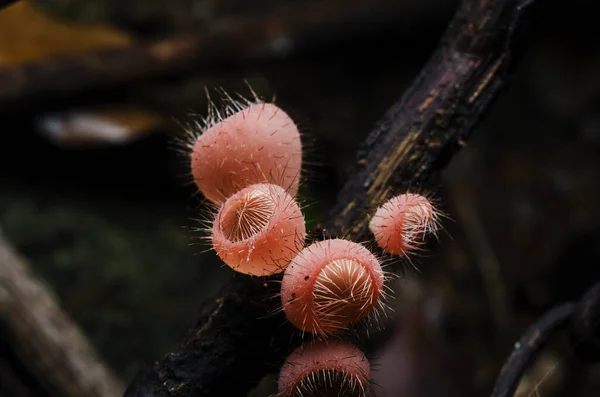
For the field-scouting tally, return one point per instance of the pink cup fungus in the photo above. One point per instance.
(399, 225)
(330, 285)
(256, 144)
(259, 230)
(333, 368)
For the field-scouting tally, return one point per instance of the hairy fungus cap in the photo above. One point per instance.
(330, 285)
(259, 144)
(324, 369)
(400, 224)
(259, 230)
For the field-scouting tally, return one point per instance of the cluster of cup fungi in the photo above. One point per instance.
(246, 159)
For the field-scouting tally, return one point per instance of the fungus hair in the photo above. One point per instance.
(400, 225)
(253, 143)
(322, 369)
(330, 285)
(258, 230)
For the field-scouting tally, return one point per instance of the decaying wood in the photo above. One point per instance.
(45, 338)
(309, 24)
(436, 116)
(232, 345)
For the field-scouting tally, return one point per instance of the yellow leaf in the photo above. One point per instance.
(27, 35)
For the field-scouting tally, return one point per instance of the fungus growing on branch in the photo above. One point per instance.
(258, 230)
(330, 285)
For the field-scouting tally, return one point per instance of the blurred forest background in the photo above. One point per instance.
(97, 201)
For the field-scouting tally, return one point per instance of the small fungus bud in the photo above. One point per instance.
(399, 225)
(323, 369)
(259, 230)
(330, 285)
(258, 144)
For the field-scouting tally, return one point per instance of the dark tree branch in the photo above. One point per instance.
(527, 348)
(437, 114)
(233, 345)
(582, 319)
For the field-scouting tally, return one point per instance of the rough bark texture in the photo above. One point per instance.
(232, 345)
(44, 337)
(435, 117)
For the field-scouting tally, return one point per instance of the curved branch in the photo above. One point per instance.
(529, 346)
(582, 319)
(229, 350)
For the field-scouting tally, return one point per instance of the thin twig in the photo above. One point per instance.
(527, 348)
(582, 319)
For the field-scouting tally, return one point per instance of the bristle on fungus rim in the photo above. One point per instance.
(330, 285)
(325, 369)
(258, 230)
(257, 144)
(400, 225)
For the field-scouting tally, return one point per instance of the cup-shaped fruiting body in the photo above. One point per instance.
(333, 368)
(399, 225)
(330, 285)
(259, 230)
(259, 144)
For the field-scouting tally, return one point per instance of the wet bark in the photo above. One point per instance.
(232, 345)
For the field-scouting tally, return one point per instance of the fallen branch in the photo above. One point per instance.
(47, 342)
(310, 23)
(232, 345)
